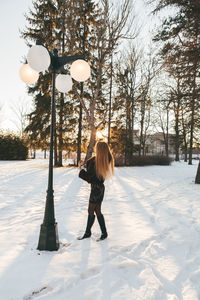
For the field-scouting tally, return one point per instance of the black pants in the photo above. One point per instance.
(96, 198)
(94, 208)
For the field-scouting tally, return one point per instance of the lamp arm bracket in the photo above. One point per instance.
(57, 63)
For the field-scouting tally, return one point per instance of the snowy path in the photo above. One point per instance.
(153, 249)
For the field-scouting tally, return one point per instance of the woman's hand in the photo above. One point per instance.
(80, 163)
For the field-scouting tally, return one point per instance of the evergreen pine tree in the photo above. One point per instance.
(41, 27)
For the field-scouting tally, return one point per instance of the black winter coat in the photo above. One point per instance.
(89, 174)
(97, 186)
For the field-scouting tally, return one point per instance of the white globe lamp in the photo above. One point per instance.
(63, 83)
(38, 58)
(28, 75)
(80, 70)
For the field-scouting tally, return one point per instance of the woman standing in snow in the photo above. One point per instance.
(98, 168)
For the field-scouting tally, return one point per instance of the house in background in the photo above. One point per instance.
(154, 143)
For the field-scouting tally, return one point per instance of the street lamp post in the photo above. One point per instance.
(80, 71)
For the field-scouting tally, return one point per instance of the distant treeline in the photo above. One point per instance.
(153, 91)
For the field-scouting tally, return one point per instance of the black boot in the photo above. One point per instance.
(103, 227)
(87, 233)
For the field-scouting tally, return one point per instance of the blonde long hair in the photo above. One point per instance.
(104, 161)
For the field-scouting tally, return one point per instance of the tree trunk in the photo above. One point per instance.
(110, 97)
(185, 154)
(177, 136)
(130, 143)
(60, 137)
(81, 95)
(143, 150)
(141, 129)
(60, 134)
(132, 125)
(191, 134)
(129, 134)
(167, 135)
(132, 121)
(193, 113)
(55, 145)
(184, 139)
(92, 143)
(126, 144)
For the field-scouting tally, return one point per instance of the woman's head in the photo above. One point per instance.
(102, 148)
(104, 160)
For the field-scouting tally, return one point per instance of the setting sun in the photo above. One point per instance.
(99, 135)
(102, 134)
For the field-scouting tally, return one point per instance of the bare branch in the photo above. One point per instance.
(81, 101)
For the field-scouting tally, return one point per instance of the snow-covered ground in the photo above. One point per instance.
(152, 252)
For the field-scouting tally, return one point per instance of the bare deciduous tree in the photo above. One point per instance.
(113, 26)
(148, 73)
(20, 110)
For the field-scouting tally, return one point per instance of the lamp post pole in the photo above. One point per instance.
(40, 59)
(48, 239)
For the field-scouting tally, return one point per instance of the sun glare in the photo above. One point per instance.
(99, 135)
(103, 134)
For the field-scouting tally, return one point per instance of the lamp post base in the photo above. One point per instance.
(48, 238)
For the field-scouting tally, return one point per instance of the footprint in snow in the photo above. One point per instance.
(90, 272)
(125, 263)
(64, 245)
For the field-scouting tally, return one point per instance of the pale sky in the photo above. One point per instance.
(13, 48)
